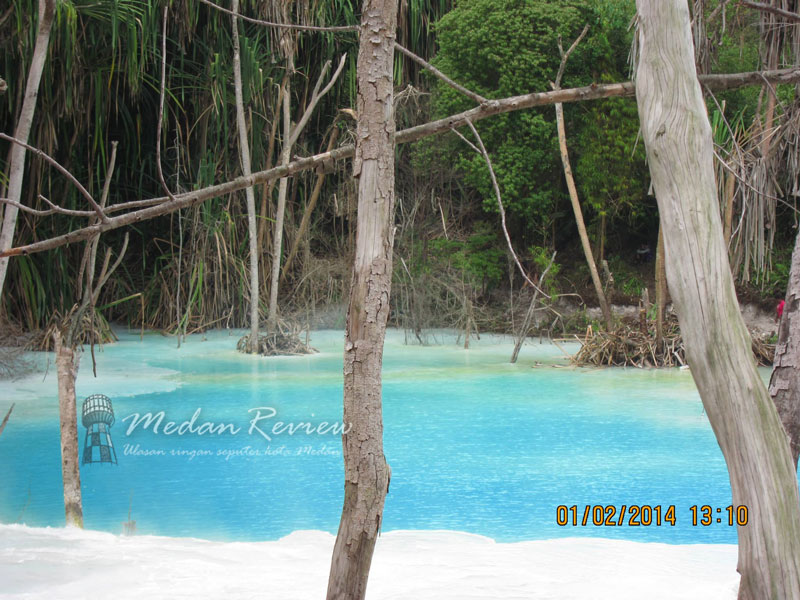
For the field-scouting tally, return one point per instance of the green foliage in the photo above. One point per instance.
(610, 169)
(500, 48)
(628, 281)
(479, 257)
(541, 259)
(738, 52)
(777, 280)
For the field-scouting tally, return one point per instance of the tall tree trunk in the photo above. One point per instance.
(677, 137)
(366, 470)
(287, 43)
(67, 371)
(244, 157)
(16, 170)
(576, 209)
(784, 385)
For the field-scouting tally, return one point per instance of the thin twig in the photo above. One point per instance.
(107, 273)
(316, 95)
(565, 56)
(50, 211)
(84, 192)
(419, 60)
(482, 150)
(282, 25)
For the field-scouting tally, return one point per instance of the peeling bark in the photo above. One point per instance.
(784, 385)
(677, 136)
(366, 470)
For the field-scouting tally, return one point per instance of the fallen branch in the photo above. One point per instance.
(49, 159)
(789, 16)
(352, 28)
(156, 207)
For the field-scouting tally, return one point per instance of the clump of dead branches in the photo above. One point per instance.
(633, 346)
(282, 340)
(92, 328)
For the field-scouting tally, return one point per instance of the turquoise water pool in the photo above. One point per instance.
(475, 444)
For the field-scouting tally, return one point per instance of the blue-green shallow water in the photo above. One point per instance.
(475, 444)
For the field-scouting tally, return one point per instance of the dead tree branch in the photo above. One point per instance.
(421, 61)
(49, 159)
(338, 28)
(526, 324)
(481, 149)
(789, 16)
(155, 207)
(316, 96)
(573, 190)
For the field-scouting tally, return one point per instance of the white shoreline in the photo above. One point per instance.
(45, 563)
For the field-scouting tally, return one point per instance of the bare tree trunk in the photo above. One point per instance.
(16, 170)
(287, 43)
(784, 385)
(67, 370)
(576, 209)
(677, 136)
(244, 157)
(573, 192)
(366, 470)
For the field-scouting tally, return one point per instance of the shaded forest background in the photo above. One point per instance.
(188, 271)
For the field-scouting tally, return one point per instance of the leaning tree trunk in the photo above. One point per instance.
(67, 370)
(677, 137)
(16, 170)
(244, 157)
(576, 209)
(784, 385)
(366, 471)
